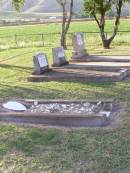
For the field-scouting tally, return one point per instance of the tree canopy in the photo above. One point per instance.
(18, 4)
(98, 9)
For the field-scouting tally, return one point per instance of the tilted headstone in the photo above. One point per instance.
(78, 43)
(59, 58)
(40, 64)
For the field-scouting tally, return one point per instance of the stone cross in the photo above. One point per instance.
(59, 58)
(78, 44)
(40, 64)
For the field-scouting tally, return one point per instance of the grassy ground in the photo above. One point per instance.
(39, 150)
(88, 26)
(29, 150)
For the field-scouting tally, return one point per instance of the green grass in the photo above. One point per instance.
(39, 150)
(52, 150)
(88, 26)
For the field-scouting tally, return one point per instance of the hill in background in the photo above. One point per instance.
(40, 6)
(44, 8)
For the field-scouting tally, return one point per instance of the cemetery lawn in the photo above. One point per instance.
(27, 149)
(37, 149)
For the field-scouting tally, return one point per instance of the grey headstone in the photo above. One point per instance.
(59, 58)
(40, 64)
(78, 45)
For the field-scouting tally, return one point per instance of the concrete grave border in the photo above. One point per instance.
(84, 74)
(59, 119)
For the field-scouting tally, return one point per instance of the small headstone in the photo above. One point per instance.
(40, 64)
(78, 43)
(14, 106)
(59, 58)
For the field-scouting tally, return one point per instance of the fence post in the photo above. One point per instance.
(43, 40)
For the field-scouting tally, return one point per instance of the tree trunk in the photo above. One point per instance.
(106, 44)
(66, 24)
(63, 41)
(63, 37)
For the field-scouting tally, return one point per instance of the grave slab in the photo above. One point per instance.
(102, 58)
(80, 75)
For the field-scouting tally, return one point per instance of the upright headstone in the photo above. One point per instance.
(40, 64)
(59, 58)
(79, 51)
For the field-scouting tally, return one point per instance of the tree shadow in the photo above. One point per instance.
(27, 92)
(13, 67)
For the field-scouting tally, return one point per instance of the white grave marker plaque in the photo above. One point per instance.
(42, 60)
(14, 106)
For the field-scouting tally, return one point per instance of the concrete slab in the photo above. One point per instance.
(79, 75)
(105, 58)
(101, 65)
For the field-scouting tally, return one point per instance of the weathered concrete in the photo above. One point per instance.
(79, 73)
(103, 58)
(58, 119)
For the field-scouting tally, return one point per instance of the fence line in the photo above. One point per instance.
(58, 33)
(53, 39)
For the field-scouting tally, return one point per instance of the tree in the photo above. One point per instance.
(98, 9)
(18, 4)
(66, 19)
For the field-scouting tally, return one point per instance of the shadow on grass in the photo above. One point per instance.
(27, 92)
(54, 90)
(99, 150)
(13, 67)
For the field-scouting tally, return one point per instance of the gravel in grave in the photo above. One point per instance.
(76, 108)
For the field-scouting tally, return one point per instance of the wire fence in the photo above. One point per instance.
(92, 40)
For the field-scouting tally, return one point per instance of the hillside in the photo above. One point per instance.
(35, 8)
(40, 6)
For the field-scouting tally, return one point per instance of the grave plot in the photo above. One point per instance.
(91, 71)
(60, 112)
(80, 73)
